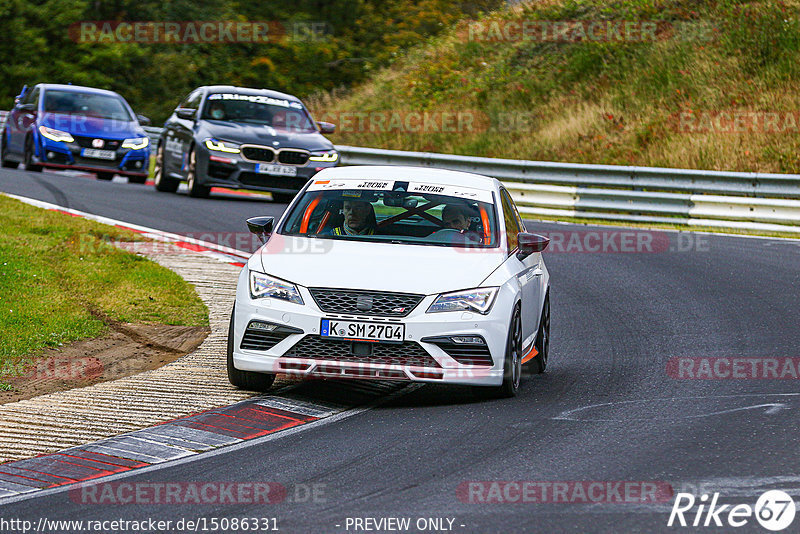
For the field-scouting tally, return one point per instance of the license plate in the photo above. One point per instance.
(98, 154)
(363, 330)
(280, 170)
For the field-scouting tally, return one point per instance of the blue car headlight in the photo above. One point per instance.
(56, 135)
(478, 300)
(137, 143)
(263, 286)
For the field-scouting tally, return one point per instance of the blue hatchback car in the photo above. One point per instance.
(73, 127)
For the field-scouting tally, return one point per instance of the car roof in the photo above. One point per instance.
(409, 173)
(76, 89)
(249, 91)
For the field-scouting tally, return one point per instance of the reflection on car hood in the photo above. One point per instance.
(378, 266)
(259, 134)
(92, 126)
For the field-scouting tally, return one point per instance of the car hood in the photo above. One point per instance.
(375, 266)
(259, 134)
(92, 126)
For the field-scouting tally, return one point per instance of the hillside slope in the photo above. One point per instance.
(710, 85)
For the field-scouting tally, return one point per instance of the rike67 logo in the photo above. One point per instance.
(774, 510)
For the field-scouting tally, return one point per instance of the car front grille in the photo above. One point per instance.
(465, 354)
(257, 153)
(293, 157)
(259, 339)
(408, 353)
(356, 302)
(86, 142)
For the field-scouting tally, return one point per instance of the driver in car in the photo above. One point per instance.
(455, 217)
(359, 218)
(217, 111)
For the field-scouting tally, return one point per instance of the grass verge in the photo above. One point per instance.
(59, 275)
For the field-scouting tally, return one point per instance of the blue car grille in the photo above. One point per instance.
(86, 142)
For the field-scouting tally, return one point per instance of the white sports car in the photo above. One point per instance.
(393, 273)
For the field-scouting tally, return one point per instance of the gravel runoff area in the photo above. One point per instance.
(193, 383)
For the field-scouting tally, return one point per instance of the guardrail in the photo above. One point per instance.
(756, 201)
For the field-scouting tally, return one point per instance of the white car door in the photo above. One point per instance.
(528, 270)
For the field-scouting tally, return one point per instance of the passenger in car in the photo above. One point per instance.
(455, 217)
(359, 218)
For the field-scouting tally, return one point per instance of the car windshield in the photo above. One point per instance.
(87, 104)
(258, 109)
(399, 212)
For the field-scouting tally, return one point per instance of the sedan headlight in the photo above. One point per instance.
(478, 300)
(55, 135)
(263, 285)
(327, 156)
(137, 143)
(222, 146)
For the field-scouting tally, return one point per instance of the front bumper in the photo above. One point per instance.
(419, 325)
(220, 169)
(61, 155)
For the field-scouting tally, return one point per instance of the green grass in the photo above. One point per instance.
(56, 270)
(600, 102)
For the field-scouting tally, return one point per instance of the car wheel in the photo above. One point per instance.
(245, 379)
(512, 365)
(195, 189)
(105, 176)
(539, 363)
(162, 182)
(4, 156)
(29, 164)
(283, 198)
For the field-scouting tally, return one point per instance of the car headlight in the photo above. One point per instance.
(222, 146)
(263, 285)
(137, 143)
(55, 135)
(327, 156)
(478, 300)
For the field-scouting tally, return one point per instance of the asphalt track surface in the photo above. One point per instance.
(606, 410)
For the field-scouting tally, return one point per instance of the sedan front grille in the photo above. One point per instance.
(87, 142)
(358, 302)
(293, 157)
(256, 153)
(408, 353)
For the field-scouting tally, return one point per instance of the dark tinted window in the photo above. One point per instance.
(511, 219)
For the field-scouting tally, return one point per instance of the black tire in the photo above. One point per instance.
(163, 183)
(283, 198)
(137, 179)
(538, 364)
(245, 379)
(512, 365)
(105, 176)
(195, 189)
(6, 163)
(29, 164)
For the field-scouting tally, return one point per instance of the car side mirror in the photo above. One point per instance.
(261, 226)
(144, 121)
(326, 127)
(186, 113)
(530, 243)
